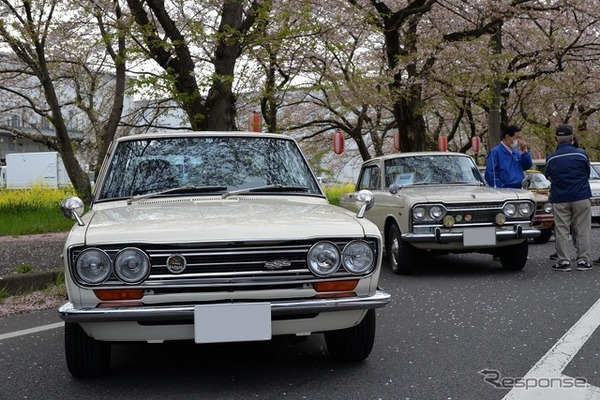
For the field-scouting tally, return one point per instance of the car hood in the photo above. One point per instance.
(462, 193)
(217, 220)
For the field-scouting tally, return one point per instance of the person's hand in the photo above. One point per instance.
(523, 146)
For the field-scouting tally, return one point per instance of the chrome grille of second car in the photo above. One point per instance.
(229, 264)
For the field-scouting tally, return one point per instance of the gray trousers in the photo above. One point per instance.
(579, 215)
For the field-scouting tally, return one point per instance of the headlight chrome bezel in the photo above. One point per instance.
(81, 266)
(429, 213)
(323, 259)
(518, 209)
(353, 250)
(144, 260)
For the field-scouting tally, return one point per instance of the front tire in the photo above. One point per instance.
(544, 237)
(514, 257)
(355, 343)
(401, 255)
(86, 357)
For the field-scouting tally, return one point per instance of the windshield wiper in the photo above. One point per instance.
(266, 188)
(188, 189)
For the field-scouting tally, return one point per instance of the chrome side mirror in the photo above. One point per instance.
(526, 183)
(367, 199)
(394, 188)
(72, 207)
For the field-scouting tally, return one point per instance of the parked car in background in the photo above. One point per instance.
(596, 166)
(540, 165)
(543, 218)
(215, 237)
(595, 186)
(436, 203)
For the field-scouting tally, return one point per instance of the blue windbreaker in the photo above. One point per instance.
(505, 169)
(568, 169)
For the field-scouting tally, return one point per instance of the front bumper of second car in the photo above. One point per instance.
(466, 234)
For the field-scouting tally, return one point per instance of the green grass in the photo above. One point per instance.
(34, 221)
(34, 210)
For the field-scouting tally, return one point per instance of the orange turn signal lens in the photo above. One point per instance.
(335, 286)
(119, 294)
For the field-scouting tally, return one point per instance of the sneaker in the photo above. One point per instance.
(597, 261)
(554, 256)
(564, 266)
(583, 265)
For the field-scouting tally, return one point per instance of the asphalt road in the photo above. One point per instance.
(455, 318)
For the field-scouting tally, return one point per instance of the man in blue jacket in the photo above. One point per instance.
(568, 169)
(507, 162)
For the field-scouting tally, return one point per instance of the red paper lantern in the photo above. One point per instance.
(255, 122)
(338, 142)
(476, 144)
(442, 143)
(397, 142)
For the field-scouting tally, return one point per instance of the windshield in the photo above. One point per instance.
(205, 165)
(594, 173)
(538, 180)
(432, 169)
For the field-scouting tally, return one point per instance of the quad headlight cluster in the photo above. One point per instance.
(437, 213)
(357, 257)
(94, 266)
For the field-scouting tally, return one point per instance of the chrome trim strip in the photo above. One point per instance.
(69, 313)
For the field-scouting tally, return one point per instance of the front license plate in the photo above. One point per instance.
(219, 323)
(479, 237)
(595, 213)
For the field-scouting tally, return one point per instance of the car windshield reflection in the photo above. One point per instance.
(432, 170)
(205, 166)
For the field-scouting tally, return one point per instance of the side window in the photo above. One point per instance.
(370, 178)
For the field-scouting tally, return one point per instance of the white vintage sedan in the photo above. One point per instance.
(215, 237)
(432, 203)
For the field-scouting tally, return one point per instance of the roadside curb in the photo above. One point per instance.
(20, 283)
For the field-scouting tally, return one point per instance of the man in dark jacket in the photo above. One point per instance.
(568, 169)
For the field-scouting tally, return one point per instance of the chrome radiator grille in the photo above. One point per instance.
(228, 264)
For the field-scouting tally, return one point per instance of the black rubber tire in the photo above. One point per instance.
(86, 357)
(544, 236)
(401, 255)
(514, 257)
(355, 343)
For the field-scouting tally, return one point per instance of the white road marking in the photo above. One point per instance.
(553, 363)
(31, 330)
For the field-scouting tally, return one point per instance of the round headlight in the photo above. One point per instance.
(132, 265)
(548, 208)
(525, 209)
(323, 259)
(436, 212)
(358, 257)
(510, 209)
(93, 266)
(418, 213)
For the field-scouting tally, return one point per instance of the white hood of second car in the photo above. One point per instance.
(216, 220)
(459, 193)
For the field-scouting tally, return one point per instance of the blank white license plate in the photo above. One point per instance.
(219, 323)
(479, 237)
(595, 213)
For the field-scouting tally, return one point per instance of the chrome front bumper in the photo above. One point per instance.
(150, 313)
(439, 236)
